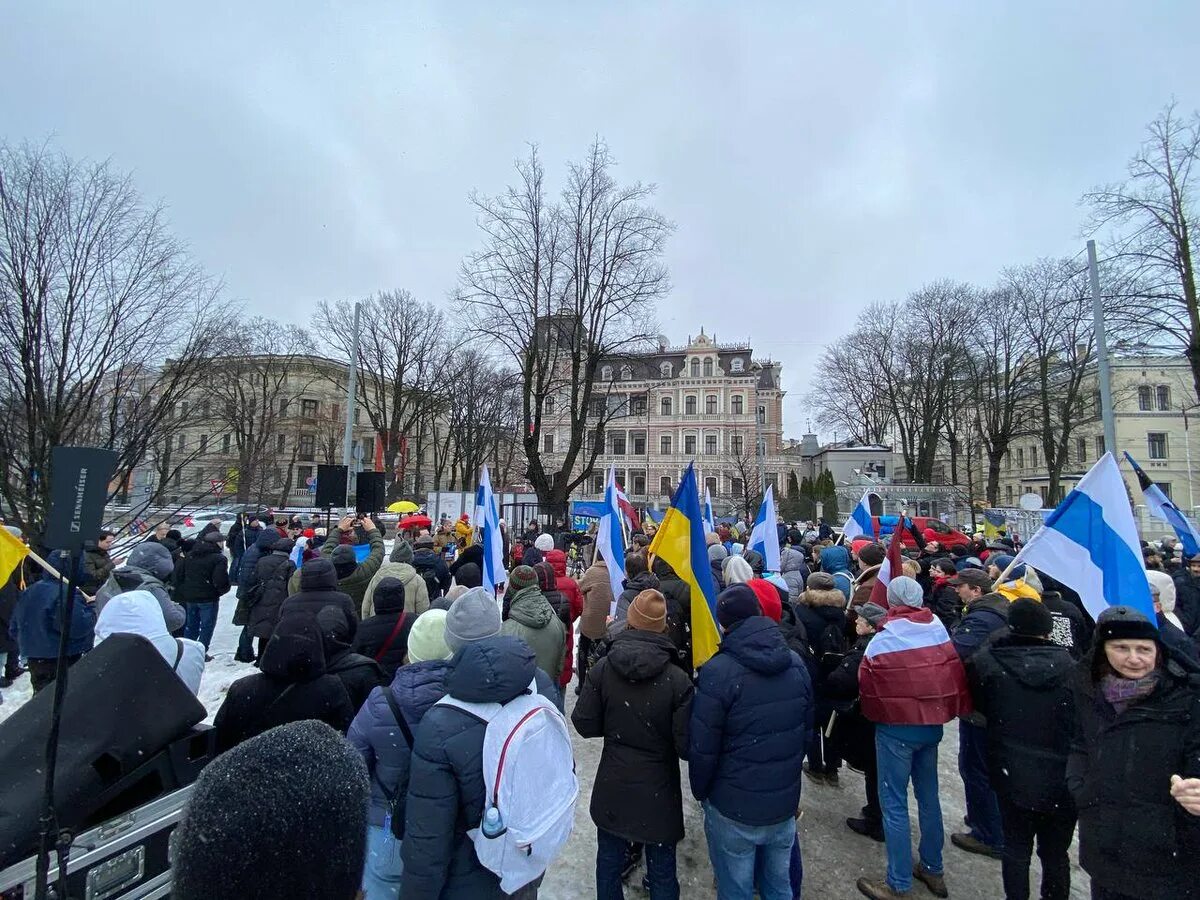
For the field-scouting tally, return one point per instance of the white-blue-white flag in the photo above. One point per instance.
(1090, 543)
(764, 536)
(610, 539)
(707, 514)
(860, 522)
(1162, 507)
(487, 524)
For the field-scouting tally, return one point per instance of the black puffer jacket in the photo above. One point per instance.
(432, 567)
(1022, 685)
(203, 575)
(1134, 838)
(261, 547)
(318, 589)
(292, 686)
(359, 674)
(446, 791)
(646, 581)
(271, 573)
(373, 632)
(639, 703)
(852, 733)
(679, 610)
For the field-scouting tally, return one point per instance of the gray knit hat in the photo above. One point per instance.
(472, 617)
(872, 613)
(904, 591)
(402, 552)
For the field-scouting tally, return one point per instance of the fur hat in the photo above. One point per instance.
(1124, 623)
(873, 613)
(648, 612)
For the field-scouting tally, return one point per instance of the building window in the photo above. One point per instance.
(618, 445)
(666, 370)
(762, 415)
(626, 373)
(1080, 450)
(180, 444)
(203, 444)
(280, 443)
(307, 446)
(1099, 445)
(206, 408)
(303, 473)
(639, 445)
(308, 408)
(1164, 398)
(664, 486)
(1008, 495)
(597, 484)
(689, 406)
(1156, 443)
(178, 477)
(737, 444)
(1033, 456)
(708, 368)
(549, 405)
(1165, 487)
(637, 405)
(710, 405)
(639, 485)
(710, 485)
(664, 445)
(689, 445)
(1020, 458)
(736, 486)
(695, 368)
(736, 365)
(665, 406)
(710, 444)
(548, 443)
(225, 442)
(1145, 398)
(606, 373)
(737, 405)
(357, 412)
(283, 406)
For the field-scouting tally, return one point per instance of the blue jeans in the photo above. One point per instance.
(383, 868)
(796, 868)
(201, 620)
(610, 856)
(746, 857)
(983, 810)
(905, 752)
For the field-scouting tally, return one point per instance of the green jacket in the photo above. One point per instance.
(354, 584)
(532, 619)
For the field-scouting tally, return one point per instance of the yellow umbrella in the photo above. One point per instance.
(403, 506)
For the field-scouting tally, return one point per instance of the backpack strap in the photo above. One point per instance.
(387, 645)
(178, 654)
(395, 708)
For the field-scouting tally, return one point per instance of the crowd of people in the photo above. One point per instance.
(833, 662)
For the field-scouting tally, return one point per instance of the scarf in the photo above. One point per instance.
(1122, 692)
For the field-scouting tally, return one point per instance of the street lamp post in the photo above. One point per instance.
(1187, 452)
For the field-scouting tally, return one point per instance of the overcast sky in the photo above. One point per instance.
(814, 159)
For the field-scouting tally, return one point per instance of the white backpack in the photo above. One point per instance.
(529, 775)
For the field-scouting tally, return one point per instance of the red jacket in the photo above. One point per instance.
(570, 590)
(911, 674)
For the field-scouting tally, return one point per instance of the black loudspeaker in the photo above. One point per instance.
(369, 495)
(331, 486)
(123, 705)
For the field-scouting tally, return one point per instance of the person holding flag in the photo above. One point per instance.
(860, 522)
(13, 552)
(764, 535)
(487, 524)
(603, 582)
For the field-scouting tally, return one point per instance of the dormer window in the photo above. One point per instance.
(708, 368)
(736, 365)
(666, 370)
(626, 373)
(695, 368)
(606, 373)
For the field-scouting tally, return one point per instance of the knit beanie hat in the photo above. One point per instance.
(544, 542)
(522, 577)
(648, 612)
(1003, 561)
(457, 590)
(1124, 623)
(712, 538)
(820, 581)
(472, 617)
(737, 570)
(402, 552)
(873, 613)
(1029, 618)
(904, 591)
(532, 556)
(768, 598)
(871, 554)
(344, 561)
(717, 552)
(735, 603)
(545, 576)
(469, 575)
(427, 639)
(304, 778)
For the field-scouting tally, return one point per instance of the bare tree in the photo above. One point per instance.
(94, 295)
(1152, 214)
(848, 395)
(483, 396)
(559, 288)
(744, 463)
(405, 362)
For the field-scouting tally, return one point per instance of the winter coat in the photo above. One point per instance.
(355, 584)
(373, 633)
(137, 612)
(597, 600)
(272, 573)
(130, 578)
(318, 583)
(203, 575)
(558, 559)
(1187, 601)
(97, 566)
(1182, 647)
(446, 790)
(823, 615)
(835, 561)
(533, 620)
(416, 595)
(1134, 838)
(10, 593)
(864, 586)
(359, 674)
(751, 718)
(640, 704)
(470, 555)
(945, 602)
(1023, 686)
(34, 625)
(1068, 628)
(794, 570)
(375, 734)
(852, 732)
(246, 573)
(432, 568)
(643, 582)
(983, 616)
(292, 686)
(679, 603)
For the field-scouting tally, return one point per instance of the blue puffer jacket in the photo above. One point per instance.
(446, 792)
(751, 717)
(375, 735)
(34, 624)
(836, 562)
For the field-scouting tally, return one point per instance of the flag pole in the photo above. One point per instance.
(1004, 575)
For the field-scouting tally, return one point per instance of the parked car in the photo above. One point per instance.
(944, 534)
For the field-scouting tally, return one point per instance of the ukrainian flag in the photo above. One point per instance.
(680, 543)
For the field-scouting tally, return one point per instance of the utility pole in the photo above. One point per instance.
(1187, 449)
(760, 447)
(1106, 405)
(351, 396)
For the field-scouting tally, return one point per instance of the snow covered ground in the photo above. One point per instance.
(834, 857)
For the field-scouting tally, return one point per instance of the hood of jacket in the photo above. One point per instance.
(646, 581)
(530, 607)
(835, 559)
(338, 628)
(152, 557)
(417, 686)
(791, 560)
(758, 644)
(493, 670)
(136, 612)
(1037, 664)
(389, 595)
(558, 559)
(318, 575)
(131, 578)
(204, 548)
(266, 540)
(640, 655)
(996, 604)
(817, 598)
(295, 651)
